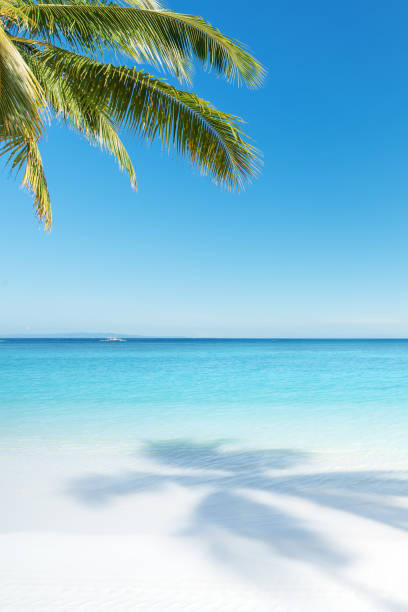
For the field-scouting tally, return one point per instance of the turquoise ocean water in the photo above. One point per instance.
(321, 395)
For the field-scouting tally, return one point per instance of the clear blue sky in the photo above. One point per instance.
(316, 247)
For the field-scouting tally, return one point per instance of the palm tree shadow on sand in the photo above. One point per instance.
(229, 480)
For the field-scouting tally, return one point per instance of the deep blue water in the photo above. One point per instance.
(310, 394)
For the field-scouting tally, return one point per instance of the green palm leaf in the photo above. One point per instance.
(24, 153)
(152, 108)
(21, 97)
(158, 36)
(80, 111)
(50, 62)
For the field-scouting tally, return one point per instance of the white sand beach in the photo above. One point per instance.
(253, 532)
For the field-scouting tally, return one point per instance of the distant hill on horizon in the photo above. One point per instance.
(80, 335)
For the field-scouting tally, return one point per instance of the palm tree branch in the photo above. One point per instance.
(11, 13)
(22, 152)
(151, 107)
(21, 97)
(92, 121)
(148, 35)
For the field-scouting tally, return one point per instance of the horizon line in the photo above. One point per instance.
(85, 336)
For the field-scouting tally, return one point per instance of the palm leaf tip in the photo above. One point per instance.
(34, 180)
(23, 154)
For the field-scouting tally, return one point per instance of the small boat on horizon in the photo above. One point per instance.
(113, 340)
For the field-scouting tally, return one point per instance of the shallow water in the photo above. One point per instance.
(342, 396)
(217, 475)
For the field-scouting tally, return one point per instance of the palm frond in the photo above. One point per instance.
(152, 108)
(50, 60)
(148, 35)
(24, 153)
(149, 5)
(108, 138)
(12, 14)
(21, 97)
(77, 111)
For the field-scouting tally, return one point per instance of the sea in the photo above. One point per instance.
(345, 398)
(203, 475)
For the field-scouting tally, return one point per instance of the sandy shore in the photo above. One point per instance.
(173, 532)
